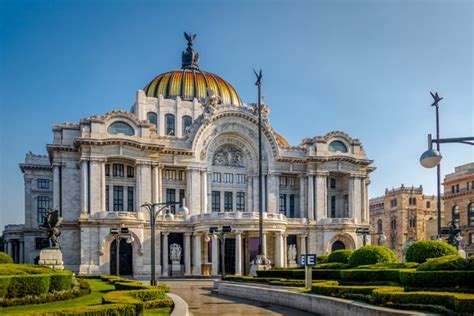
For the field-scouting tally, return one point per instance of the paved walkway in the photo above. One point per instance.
(204, 303)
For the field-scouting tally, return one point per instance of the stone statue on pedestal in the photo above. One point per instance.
(52, 256)
(175, 256)
(292, 255)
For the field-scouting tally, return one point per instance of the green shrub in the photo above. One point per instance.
(4, 283)
(341, 256)
(61, 281)
(4, 258)
(452, 262)
(10, 271)
(425, 249)
(22, 285)
(44, 298)
(320, 274)
(137, 298)
(332, 265)
(370, 275)
(29, 268)
(387, 265)
(371, 255)
(125, 286)
(322, 259)
(92, 310)
(437, 279)
(278, 273)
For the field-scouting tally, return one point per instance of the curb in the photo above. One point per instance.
(181, 308)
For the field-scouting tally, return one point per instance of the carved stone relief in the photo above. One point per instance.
(228, 155)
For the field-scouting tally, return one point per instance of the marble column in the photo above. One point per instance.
(21, 250)
(272, 193)
(238, 253)
(197, 254)
(102, 187)
(209, 192)
(160, 184)
(95, 185)
(187, 253)
(310, 197)
(204, 200)
(351, 197)
(285, 251)
(366, 198)
(362, 200)
(255, 190)
(85, 186)
(249, 194)
(279, 250)
(158, 252)
(155, 186)
(215, 255)
(56, 187)
(264, 244)
(138, 186)
(302, 193)
(165, 254)
(321, 196)
(302, 246)
(10, 248)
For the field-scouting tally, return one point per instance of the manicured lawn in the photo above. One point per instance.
(98, 289)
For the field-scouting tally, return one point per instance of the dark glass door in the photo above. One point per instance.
(125, 258)
(229, 253)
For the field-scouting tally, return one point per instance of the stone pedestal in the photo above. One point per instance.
(292, 264)
(176, 268)
(52, 258)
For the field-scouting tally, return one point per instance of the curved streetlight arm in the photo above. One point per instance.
(462, 140)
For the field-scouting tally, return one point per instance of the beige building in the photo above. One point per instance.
(402, 216)
(458, 203)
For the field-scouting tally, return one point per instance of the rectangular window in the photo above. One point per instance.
(457, 188)
(241, 178)
(333, 183)
(216, 177)
(107, 170)
(216, 201)
(117, 170)
(181, 175)
(228, 202)
(228, 178)
(130, 172)
(240, 203)
(283, 203)
(291, 181)
(171, 198)
(292, 205)
(170, 174)
(471, 238)
(181, 197)
(118, 198)
(130, 199)
(283, 181)
(44, 203)
(107, 198)
(452, 189)
(43, 183)
(333, 206)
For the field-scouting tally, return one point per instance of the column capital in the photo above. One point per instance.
(165, 233)
(322, 174)
(143, 163)
(238, 232)
(188, 234)
(303, 235)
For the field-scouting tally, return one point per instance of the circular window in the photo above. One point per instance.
(337, 146)
(120, 128)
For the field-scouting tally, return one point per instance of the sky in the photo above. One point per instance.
(362, 67)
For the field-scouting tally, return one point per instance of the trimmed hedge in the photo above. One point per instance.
(4, 258)
(461, 303)
(22, 285)
(322, 259)
(95, 310)
(9, 269)
(453, 262)
(386, 265)
(138, 298)
(61, 281)
(344, 291)
(437, 279)
(341, 256)
(370, 275)
(332, 265)
(420, 251)
(371, 255)
(280, 273)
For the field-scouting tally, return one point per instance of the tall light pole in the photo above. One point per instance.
(153, 212)
(258, 83)
(432, 158)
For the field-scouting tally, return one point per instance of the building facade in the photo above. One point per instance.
(189, 138)
(458, 201)
(403, 216)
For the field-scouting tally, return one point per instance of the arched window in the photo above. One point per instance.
(336, 146)
(428, 204)
(393, 223)
(470, 214)
(455, 215)
(120, 128)
(170, 124)
(379, 226)
(414, 201)
(152, 118)
(187, 121)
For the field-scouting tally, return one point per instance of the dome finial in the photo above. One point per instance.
(190, 59)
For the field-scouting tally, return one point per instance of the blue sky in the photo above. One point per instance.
(363, 67)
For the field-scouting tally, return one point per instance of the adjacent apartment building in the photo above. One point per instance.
(401, 217)
(458, 203)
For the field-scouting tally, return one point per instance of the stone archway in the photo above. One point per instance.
(340, 240)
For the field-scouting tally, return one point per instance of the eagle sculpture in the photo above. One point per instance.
(51, 225)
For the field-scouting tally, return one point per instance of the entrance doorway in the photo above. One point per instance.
(229, 254)
(337, 245)
(125, 258)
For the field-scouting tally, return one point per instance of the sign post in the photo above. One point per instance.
(308, 261)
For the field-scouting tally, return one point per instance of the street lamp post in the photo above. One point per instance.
(432, 158)
(168, 216)
(120, 233)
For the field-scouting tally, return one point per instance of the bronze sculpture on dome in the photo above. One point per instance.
(190, 59)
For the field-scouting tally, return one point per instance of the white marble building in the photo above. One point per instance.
(189, 136)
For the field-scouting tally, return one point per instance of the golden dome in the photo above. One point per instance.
(189, 84)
